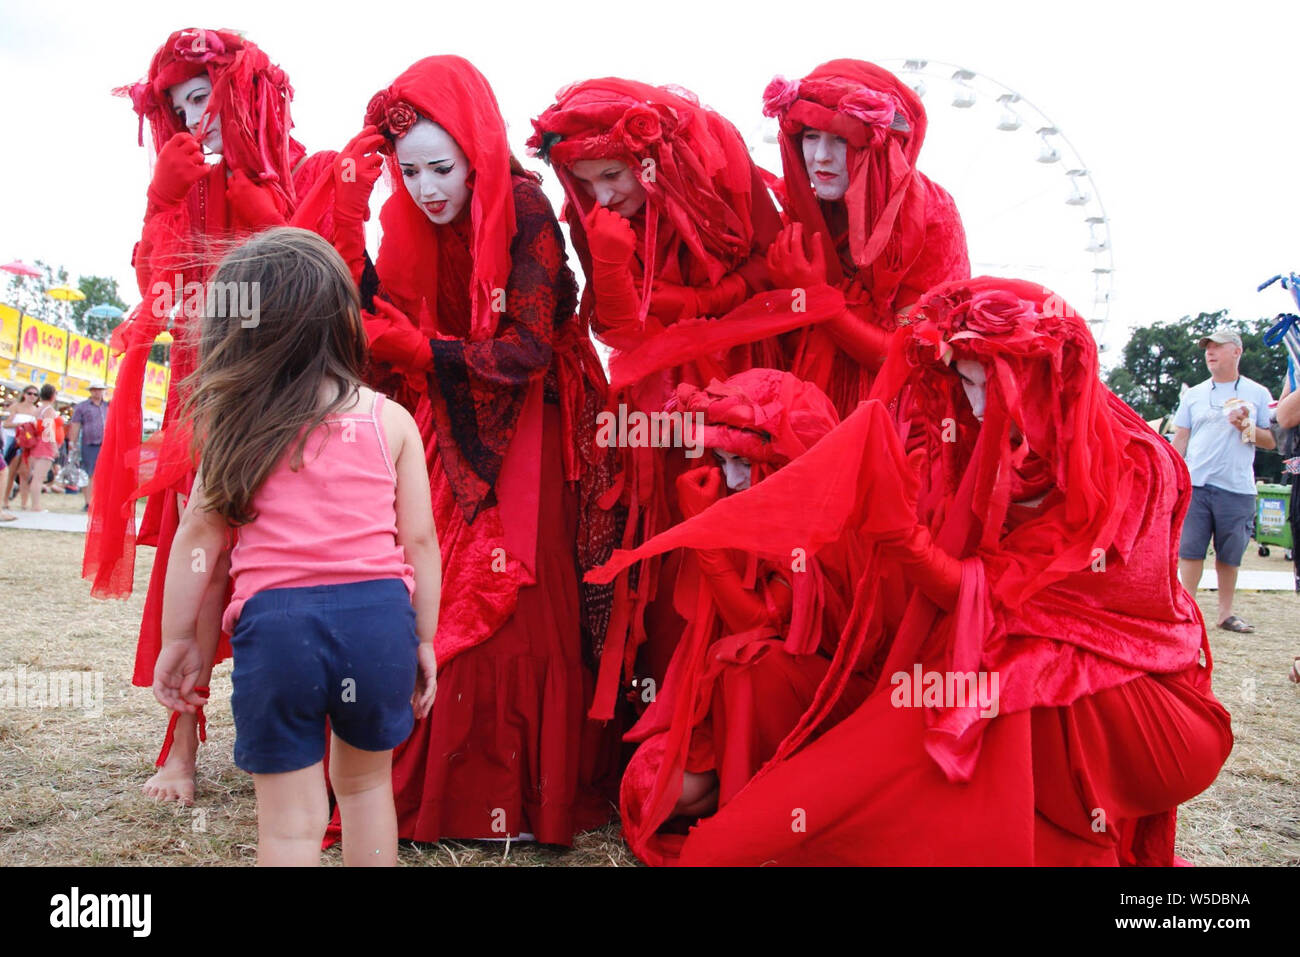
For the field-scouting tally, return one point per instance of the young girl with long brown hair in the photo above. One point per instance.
(336, 567)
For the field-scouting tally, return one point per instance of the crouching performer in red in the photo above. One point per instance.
(1046, 698)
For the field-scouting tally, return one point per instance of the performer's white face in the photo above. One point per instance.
(826, 156)
(190, 102)
(974, 381)
(435, 171)
(735, 469)
(612, 183)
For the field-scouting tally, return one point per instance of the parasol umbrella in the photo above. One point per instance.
(20, 268)
(105, 312)
(163, 338)
(65, 294)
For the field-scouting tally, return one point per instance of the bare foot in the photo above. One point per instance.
(699, 794)
(174, 781)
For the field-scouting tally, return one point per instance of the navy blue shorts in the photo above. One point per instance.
(1228, 516)
(89, 456)
(346, 652)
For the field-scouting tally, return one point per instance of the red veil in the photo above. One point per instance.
(1069, 602)
(251, 96)
(896, 233)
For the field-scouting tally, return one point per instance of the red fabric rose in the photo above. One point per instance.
(639, 127)
(377, 109)
(778, 96)
(198, 46)
(869, 106)
(997, 312)
(400, 118)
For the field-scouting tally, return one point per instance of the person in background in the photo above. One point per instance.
(40, 457)
(1219, 424)
(87, 425)
(1287, 415)
(9, 447)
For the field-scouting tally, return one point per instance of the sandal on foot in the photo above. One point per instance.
(7, 516)
(1233, 623)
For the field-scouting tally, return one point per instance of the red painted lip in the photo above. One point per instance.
(437, 207)
(825, 176)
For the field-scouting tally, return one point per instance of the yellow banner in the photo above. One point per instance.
(156, 378)
(9, 322)
(19, 372)
(154, 404)
(87, 359)
(43, 345)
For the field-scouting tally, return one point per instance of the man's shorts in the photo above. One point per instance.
(89, 456)
(346, 652)
(1229, 516)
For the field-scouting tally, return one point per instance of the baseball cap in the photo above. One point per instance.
(1223, 335)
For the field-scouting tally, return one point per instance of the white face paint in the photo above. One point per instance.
(974, 381)
(435, 171)
(612, 183)
(190, 102)
(735, 469)
(826, 157)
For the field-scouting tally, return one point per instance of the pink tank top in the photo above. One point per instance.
(331, 522)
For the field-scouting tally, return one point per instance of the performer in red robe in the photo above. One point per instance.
(762, 631)
(1044, 700)
(670, 220)
(476, 307)
(213, 92)
(862, 217)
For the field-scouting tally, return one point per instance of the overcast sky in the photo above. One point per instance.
(1184, 119)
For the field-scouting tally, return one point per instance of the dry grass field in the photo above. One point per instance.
(70, 781)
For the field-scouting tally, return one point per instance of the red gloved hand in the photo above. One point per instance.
(926, 565)
(611, 242)
(790, 266)
(725, 296)
(180, 165)
(865, 342)
(355, 171)
(698, 489)
(254, 206)
(395, 341)
(670, 302)
(609, 237)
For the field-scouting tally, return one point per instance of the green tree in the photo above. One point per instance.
(1160, 358)
(99, 291)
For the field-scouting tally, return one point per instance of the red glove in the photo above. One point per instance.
(670, 302)
(254, 206)
(355, 171)
(790, 266)
(864, 341)
(725, 296)
(393, 340)
(926, 565)
(180, 165)
(698, 489)
(611, 242)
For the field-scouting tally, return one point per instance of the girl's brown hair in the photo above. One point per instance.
(258, 387)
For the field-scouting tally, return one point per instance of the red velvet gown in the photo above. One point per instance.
(504, 748)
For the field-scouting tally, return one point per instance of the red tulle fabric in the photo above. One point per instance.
(893, 236)
(1074, 605)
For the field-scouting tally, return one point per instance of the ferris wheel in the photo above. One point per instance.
(1027, 199)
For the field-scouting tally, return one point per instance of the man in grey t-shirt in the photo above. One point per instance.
(1217, 432)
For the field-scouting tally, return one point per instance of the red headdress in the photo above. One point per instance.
(766, 416)
(250, 94)
(890, 206)
(449, 91)
(693, 165)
